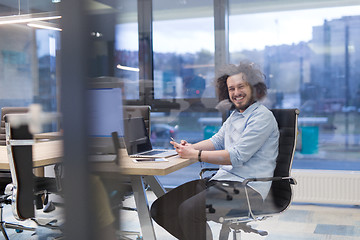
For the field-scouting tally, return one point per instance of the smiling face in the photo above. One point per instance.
(240, 92)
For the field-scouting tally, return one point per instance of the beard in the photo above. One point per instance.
(244, 106)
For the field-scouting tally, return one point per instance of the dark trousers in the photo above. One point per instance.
(183, 213)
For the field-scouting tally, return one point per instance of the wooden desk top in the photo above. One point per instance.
(44, 153)
(48, 136)
(129, 167)
(51, 152)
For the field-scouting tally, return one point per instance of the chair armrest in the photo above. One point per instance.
(290, 179)
(266, 179)
(206, 170)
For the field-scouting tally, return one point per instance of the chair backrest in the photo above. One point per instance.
(8, 110)
(19, 146)
(5, 176)
(131, 111)
(280, 195)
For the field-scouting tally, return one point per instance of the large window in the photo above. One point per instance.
(310, 58)
(28, 67)
(183, 43)
(183, 46)
(183, 51)
(127, 50)
(16, 63)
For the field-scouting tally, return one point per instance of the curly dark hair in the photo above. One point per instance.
(253, 76)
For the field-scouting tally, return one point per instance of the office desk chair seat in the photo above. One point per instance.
(280, 194)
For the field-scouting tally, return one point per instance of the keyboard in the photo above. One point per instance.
(153, 152)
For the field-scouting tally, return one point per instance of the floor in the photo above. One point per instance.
(41, 233)
(299, 222)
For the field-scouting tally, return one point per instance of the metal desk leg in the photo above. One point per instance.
(155, 185)
(142, 206)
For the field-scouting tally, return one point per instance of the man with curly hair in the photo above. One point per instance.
(246, 146)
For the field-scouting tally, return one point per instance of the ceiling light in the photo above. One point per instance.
(24, 18)
(96, 34)
(44, 25)
(127, 68)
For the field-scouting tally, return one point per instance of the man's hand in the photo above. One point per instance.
(185, 149)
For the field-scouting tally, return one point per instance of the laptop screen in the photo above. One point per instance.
(136, 136)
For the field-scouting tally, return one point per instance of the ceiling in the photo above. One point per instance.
(170, 9)
(11, 7)
(126, 10)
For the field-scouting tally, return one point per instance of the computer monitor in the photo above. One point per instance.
(105, 114)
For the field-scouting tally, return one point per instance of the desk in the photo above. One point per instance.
(44, 154)
(51, 152)
(48, 136)
(137, 172)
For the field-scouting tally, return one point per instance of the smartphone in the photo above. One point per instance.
(150, 160)
(174, 140)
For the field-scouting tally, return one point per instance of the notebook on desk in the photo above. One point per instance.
(138, 143)
(108, 157)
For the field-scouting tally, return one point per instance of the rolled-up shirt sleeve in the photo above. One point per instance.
(219, 138)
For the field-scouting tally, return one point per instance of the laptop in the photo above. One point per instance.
(101, 157)
(137, 141)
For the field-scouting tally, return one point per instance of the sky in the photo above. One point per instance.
(249, 31)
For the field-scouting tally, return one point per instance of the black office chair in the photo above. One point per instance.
(280, 195)
(41, 182)
(5, 175)
(25, 187)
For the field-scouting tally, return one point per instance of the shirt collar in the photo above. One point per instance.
(249, 110)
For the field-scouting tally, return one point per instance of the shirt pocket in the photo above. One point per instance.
(236, 128)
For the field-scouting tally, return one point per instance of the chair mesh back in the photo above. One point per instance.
(280, 193)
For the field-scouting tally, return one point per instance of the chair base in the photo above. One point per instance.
(4, 225)
(236, 228)
(122, 235)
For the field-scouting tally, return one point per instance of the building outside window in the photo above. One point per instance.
(183, 45)
(309, 57)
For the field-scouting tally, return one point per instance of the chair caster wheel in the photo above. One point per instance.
(139, 238)
(19, 230)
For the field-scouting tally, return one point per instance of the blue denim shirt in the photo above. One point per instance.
(251, 138)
